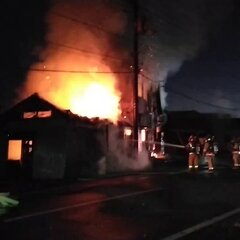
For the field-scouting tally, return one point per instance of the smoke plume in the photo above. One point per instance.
(121, 155)
(177, 31)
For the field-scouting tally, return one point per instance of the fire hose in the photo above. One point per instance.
(161, 143)
(173, 145)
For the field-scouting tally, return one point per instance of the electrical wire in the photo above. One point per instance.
(169, 89)
(75, 71)
(199, 101)
(87, 24)
(157, 17)
(83, 50)
(150, 79)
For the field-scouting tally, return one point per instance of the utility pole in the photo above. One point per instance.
(136, 70)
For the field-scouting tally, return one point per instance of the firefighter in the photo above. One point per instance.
(193, 149)
(210, 149)
(235, 148)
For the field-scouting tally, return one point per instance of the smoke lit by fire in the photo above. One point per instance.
(89, 94)
(74, 73)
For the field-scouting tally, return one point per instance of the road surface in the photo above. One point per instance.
(163, 204)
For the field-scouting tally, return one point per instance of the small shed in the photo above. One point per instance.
(41, 141)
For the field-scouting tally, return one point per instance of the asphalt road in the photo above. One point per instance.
(168, 203)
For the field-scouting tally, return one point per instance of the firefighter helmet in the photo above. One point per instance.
(209, 138)
(192, 138)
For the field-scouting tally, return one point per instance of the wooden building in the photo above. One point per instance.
(40, 141)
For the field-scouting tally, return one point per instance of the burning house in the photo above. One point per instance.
(89, 72)
(42, 141)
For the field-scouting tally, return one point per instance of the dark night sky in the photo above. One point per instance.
(196, 54)
(210, 81)
(192, 47)
(22, 29)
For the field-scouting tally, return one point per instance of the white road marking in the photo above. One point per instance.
(202, 225)
(14, 219)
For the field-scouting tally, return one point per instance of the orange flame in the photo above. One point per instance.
(90, 95)
(75, 82)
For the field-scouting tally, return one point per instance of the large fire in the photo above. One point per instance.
(68, 75)
(89, 94)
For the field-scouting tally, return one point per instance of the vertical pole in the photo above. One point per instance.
(107, 137)
(136, 70)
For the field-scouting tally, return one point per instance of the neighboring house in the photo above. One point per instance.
(40, 141)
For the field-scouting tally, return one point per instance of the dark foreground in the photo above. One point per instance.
(153, 205)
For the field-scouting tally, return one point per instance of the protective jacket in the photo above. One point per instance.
(209, 150)
(210, 147)
(193, 149)
(236, 152)
(236, 146)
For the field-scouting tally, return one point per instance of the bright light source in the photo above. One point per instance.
(14, 150)
(127, 131)
(143, 135)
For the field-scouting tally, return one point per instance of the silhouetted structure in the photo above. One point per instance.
(39, 140)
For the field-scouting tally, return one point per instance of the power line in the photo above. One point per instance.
(199, 101)
(83, 50)
(226, 91)
(159, 20)
(150, 79)
(75, 71)
(87, 24)
(190, 98)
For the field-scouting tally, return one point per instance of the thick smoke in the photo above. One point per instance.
(81, 37)
(121, 156)
(176, 31)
